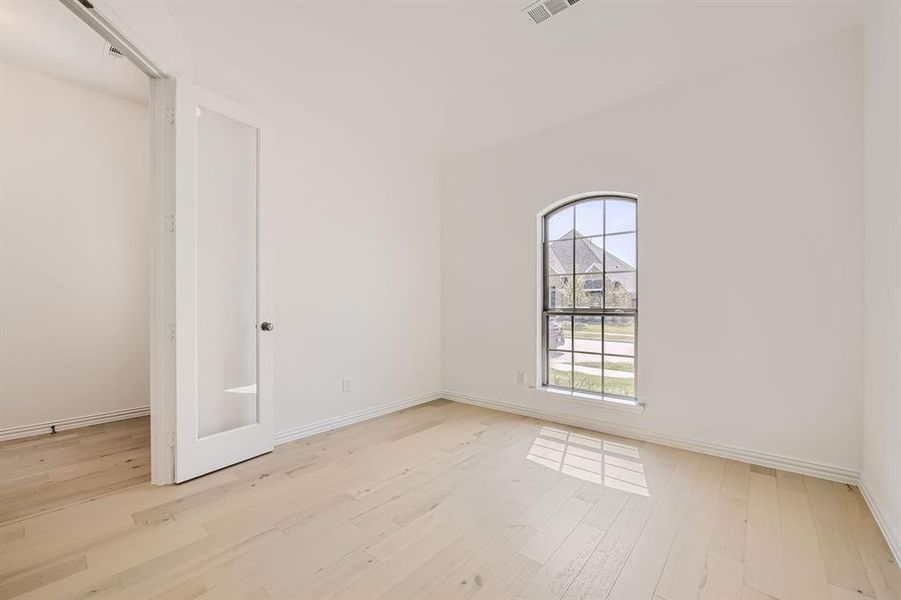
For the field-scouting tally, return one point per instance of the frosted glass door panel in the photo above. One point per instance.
(227, 274)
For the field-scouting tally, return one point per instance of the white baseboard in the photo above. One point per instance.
(794, 465)
(883, 519)
(21, 431)
(289, 435)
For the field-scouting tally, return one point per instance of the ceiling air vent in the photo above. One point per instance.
(555, 6)
(111, 50)
(545, 9)
(539, 13)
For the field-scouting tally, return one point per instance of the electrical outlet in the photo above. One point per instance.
(345, 384)
(520, 378)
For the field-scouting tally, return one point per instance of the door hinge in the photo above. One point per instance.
(169, 115)
(171, 439)
(169, 223)
(170, 331)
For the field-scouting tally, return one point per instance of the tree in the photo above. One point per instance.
(618, 296)
(575, 294)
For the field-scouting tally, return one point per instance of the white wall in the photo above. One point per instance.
(356, 232)
(882, 407)
(74, 250)
(750, 254)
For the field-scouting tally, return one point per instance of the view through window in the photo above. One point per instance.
(590, 312)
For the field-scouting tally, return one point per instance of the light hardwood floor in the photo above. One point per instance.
(439, 501)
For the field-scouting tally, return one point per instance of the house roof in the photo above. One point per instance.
(589, 258)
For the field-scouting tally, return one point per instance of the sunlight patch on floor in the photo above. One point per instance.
(589, 458)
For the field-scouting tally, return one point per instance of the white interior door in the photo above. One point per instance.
(223, 357)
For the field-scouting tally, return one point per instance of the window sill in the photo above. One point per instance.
(596, 400)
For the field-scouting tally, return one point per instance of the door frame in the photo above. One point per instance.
(103, 20)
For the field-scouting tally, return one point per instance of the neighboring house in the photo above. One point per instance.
(590, 262)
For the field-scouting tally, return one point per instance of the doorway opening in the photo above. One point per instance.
(79, 297)
(206, 337)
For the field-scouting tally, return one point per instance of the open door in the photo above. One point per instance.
(211, 400)
(223, 382)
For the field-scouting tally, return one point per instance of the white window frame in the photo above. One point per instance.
(610, 400)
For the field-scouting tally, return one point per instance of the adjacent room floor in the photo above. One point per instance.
(439, 501)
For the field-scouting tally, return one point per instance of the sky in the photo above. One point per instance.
(588, 218)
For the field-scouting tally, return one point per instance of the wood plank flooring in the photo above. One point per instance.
(440, 501)
(45, 472)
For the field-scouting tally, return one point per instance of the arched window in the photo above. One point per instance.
(590, 306)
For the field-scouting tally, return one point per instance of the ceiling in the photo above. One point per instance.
(44, 35)
(454, 75)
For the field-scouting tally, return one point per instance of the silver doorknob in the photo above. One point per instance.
(266, 326)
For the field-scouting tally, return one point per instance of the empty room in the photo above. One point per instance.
(450, 299)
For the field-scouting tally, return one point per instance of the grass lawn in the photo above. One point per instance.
(610, 366)
(585, 331)
(592, 383)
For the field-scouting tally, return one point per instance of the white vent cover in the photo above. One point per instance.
(545, 9)
(555, 6)
(111, 50)
(539, 13)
